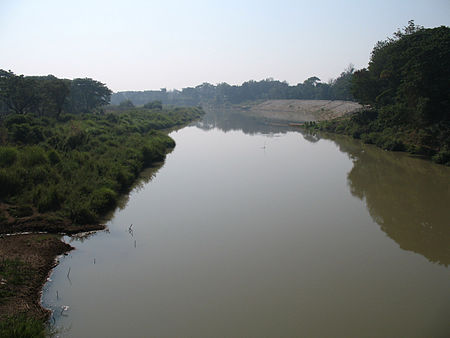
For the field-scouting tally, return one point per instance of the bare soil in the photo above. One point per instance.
(25, 263)
(29, 245)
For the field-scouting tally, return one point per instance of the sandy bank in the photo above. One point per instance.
(301, 110)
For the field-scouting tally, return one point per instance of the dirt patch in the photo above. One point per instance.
(25, 263)
(27, 259)
(301, 110)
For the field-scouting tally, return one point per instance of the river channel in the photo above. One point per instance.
(253, 230)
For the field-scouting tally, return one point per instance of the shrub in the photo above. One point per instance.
(151, 154)
(53, 157)
(10, 182)
(22, 326)
(21, 211)
(81, 214)
(125, 178)
(32, 156)
(76, 139)
(8, 156)
(103, 199)
(49, 199)
(442, 157)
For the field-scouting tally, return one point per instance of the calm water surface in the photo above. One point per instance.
(249, 230)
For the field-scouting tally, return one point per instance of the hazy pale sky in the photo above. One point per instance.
(139, 45)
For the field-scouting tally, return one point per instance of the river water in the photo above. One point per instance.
(252, 230)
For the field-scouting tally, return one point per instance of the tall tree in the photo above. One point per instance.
(19, 93)
(86, 95)
(409, 75)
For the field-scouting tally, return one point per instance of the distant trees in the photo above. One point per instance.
(153, 105)
(126, 104)
(267, 89)
(48, 95)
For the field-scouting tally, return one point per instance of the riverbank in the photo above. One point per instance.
(430, 141)
(26, 261)
(63, 177)
(298, 110)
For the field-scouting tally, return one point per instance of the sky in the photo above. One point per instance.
(148, 45)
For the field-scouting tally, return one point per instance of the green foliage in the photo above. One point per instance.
(8, 156)
(153, 105)
(86, 95)
(49, 96)
(22, 326)
(83, 162)
(14, 273)
(409, 74)
(21, 211)
(443, 156)
(407, 87)
(103, 199)
(10, 183)
(53, 157)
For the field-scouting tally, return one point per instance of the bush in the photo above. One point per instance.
(53, 157)
(103, 199)
(21, 211)
(81, 214)
(33, 156)
(10, 182)
(48, 199)
(8, 156)
(442, 157)
(22, 326)
(151, 154)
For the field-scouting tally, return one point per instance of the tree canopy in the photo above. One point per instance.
(409, 74)
(48, 95)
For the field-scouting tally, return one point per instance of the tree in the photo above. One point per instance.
(409, 72)
(86, 95)
(19, 93)
(342, 85)
(126, 104)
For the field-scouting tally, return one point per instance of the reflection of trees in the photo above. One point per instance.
(228, 121)
(409, 198)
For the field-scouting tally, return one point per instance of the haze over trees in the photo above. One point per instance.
(224, 93)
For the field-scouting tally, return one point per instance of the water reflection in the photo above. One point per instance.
(229, 121)
(408, 197)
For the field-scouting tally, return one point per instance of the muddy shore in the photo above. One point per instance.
(29, 247)
(25, 264)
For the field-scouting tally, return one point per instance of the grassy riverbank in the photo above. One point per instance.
(431, 141)
(405, 93)
(63, 176)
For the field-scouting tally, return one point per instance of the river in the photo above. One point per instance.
(252, 230)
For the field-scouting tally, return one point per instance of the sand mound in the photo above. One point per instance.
(303, 110)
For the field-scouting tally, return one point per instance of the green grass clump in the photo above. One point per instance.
(22, 326)
(78, 165)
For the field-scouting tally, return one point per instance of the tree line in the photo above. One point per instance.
(224, 93)
(405, 90)
(49, 95)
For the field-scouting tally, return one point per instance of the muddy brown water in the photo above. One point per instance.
(250, 230)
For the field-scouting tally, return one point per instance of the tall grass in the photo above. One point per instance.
(78, 165)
